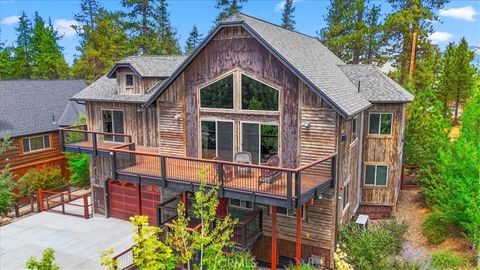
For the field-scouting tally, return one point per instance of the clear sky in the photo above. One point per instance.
(458, 19)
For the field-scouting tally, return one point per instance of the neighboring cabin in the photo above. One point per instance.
(251, 86)
(31, 112)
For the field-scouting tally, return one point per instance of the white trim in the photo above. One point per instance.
(375, 176)
(379, 124)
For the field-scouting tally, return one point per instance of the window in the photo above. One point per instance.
(258, 96)
(380, 124)
(241, 204)
(113, 123)
(261, 140)
(346, 195)
(354, 129)
(376, 175)
(218, 95)
(129, 80)
(36, 143)
(281, 211)
(217, 139)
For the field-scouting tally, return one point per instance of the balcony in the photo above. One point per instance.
(284, 187)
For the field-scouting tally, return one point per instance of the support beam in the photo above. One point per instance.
(185, 202)
(298, 247)
(274, 238)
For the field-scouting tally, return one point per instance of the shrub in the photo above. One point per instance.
(46, 263)
(239, 261)
(303, 266)
(78, 164)
(434, 228)
(45, 178)
(447, 260)
(6, 187)
(372, 248)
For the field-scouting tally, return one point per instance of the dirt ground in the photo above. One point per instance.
(411, 208)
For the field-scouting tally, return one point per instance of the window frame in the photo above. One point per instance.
(304, 212)
(260, 136)
(380, 124)
(243, 207)
(346, 190)
(354, 134)
(29, 138)
(202, 86)
(126, 80)
(255, 78)
(113, 126)
(375, 176)
(216, 120)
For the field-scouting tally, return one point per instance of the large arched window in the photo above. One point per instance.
(258, 96)
(218, 95)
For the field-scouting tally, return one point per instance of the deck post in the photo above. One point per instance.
(139, 187)
(85, 206)
(185, 202)
(113, 163)
(40, 200)
(94, 143)
(289, 188)
(60, 134)
(334, 170)
(220, 178)
(298, 188)
(274, 238)
(298, 248)
(163, 167)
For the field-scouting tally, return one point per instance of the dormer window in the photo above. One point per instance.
(129, 80)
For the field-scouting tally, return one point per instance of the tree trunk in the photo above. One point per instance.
(457, 102)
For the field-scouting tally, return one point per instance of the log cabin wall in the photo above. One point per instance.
(384, 149)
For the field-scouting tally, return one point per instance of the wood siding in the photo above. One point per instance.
(140, 85)
(384, 149)
(21, 162)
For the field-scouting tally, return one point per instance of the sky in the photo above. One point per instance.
(458, 18)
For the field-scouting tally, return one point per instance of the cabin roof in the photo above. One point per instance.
(375, 85)
(149, 65)
(304, 55)
(31, 106)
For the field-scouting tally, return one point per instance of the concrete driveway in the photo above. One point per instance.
(76, 241)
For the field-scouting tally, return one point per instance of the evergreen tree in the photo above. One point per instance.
(374, 40)
(193, 40)
(228, 8)
(288, 21)
(458, 75)
(408, 17)
(428, 68)
(6, 57)
(87, 17)
(105, 45)
(47, 58)
(168, 42)
(22, 53)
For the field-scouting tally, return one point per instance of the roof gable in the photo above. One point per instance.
(305, 56)
(149, 65)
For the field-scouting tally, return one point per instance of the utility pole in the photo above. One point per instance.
(412, 55)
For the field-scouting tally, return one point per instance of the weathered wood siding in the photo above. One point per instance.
(383, 149)
(21, 162)
(140, 85)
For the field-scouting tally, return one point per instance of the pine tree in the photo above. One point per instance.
(193, 40)
(458, 75)
(408, 17)
(288, 21)
(428, 68)
(374, 40)
(87, 17)
(228, 8)
(47, 58)
(22, 52)
(6, 57)
(105, 45)
(168, 42)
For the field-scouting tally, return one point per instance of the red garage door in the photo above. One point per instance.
(127, 201)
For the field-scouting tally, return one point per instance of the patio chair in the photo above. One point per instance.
(245, 158)
(270, 176)
(227, 170)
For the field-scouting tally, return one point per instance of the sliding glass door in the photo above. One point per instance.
(261, 140)
(113, 123)
(217, 139)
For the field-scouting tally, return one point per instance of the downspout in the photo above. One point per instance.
(337, 188)
(360, 162)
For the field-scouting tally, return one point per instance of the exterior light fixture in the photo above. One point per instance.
(307, 124)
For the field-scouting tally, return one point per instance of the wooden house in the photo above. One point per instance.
(297, 141)
(31, 112)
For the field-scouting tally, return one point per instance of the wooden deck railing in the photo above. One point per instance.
(274, 182)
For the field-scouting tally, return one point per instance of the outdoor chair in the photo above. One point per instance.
(244, 158)
(227, 170)
(270, 176)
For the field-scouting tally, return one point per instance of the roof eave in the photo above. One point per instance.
(113, 71)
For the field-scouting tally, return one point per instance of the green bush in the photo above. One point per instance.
(239, 261)
(447, 260)
(78, 164)
(372, 248)
(46, 263)
(434, 228)
(45, 178)
(6, 187)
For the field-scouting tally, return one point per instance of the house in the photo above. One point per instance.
(251, 93)
(31, 112)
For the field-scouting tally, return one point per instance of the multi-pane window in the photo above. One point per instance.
(258, 96)
(261, 140)
(380, 124)
(217, 139)
(218, 95)
(346, 195)
(354, 129)
(129, 80)
(36, 143)
(376, 175)
(241, 204)
(286, 212)
(113, 123)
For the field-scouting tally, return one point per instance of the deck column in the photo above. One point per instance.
(274, 238)
(298, 248)
(185, 202)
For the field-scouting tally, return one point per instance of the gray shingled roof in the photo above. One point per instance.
(375, 85)
(306, 56)
(150, 65)
(105, 89)
(31, 106)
